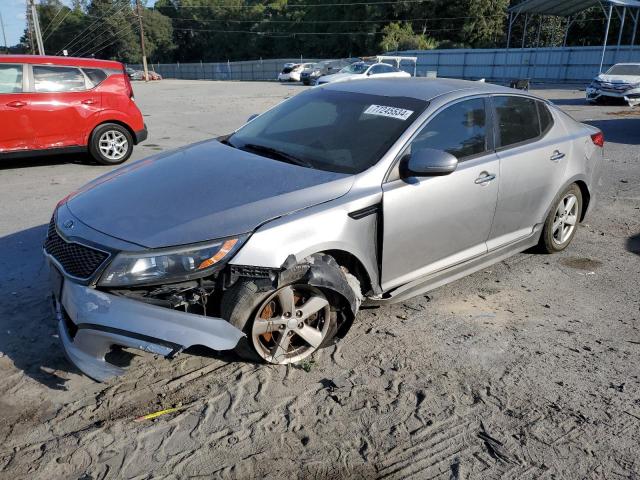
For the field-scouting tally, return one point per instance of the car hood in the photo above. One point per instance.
(201, 192)
(624, 79)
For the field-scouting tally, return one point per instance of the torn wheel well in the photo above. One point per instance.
(354, 266)
(586, 198)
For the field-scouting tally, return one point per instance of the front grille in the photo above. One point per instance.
(77, 260)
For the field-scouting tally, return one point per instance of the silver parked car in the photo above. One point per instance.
(269, 240)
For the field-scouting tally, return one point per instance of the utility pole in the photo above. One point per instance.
(36, 27)
(144, 53)
(30, 30)
(4, 36)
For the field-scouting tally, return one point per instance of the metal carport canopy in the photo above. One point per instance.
(567, 8)
(564, 8)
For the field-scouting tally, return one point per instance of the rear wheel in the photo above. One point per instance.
(111, 144)
(562, 222)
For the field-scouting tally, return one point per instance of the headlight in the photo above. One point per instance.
(169, 265)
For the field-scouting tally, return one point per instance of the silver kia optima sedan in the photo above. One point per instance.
(268, 240)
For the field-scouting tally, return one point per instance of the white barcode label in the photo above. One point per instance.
(391, 112)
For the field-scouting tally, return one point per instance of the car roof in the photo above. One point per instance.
(419, 88)
(65, 61)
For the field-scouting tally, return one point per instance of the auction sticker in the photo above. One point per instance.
(391, 112)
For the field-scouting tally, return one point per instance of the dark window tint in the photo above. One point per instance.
(96, 75)
(461, 130)
(546, 120)
(58, 79)
(517, 120)
(10, 78)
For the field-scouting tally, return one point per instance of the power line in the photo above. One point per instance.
(382, 20)
(111, 39)
(82, 34)
(52, 20)
(58, 25)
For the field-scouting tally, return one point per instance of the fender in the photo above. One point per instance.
(576, 178)
(105, 116)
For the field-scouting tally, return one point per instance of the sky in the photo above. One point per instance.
(13, 16)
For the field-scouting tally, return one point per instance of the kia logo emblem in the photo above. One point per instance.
(68, 224)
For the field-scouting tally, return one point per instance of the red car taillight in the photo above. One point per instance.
(598, 139)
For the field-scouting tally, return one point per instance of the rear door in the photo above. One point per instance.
(533, 151)
(64, 101)
(432, 223)
(16, 131)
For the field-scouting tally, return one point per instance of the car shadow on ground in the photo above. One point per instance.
(625, 131)
(28, 333)
(568, 101)
(47, 160)
(633, 244)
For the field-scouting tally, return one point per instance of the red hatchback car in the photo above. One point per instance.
(63, 104)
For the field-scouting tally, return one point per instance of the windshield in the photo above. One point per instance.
(342, 132)
(625, 70)
(355, 68)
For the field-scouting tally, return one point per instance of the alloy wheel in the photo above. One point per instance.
(565, 219)
(113, 145)
(291, 324)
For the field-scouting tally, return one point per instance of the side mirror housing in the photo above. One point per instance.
(251, 117)
(428, 162)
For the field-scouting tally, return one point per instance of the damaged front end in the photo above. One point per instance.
(599, 90)
(94, 317)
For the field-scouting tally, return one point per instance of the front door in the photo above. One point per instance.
(16, 132)
(432, 223)
(62, 106)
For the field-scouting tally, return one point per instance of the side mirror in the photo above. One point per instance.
(428, 162)
(251, 117)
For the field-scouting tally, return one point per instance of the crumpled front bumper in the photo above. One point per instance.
(631, 96)
(91, 322)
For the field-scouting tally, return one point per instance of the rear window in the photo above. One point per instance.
(96, 76)
(58, 79)
(517, 120)
(10, 78)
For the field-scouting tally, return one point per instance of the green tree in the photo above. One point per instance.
(399, 36)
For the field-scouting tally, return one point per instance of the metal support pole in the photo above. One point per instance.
(566, 33)
(524, 30)
(633, 35)
(606, 36)
(510, 25)
(624, 16)
(144, 53)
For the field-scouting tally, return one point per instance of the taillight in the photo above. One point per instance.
(598, 139)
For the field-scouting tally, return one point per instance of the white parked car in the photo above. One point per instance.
(620, 81)
(364, 70)
(292, 71)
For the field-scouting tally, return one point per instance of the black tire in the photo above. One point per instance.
(548, 243)
(94, 147)
(240, 305)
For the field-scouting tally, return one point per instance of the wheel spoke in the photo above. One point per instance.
(556, 225)
(311, 306)
(282, 346)
(571, 220)
(571, 201)
(311, 335)
(286, 300)
(262, 326)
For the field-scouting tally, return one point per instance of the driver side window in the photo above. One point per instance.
(460, 130)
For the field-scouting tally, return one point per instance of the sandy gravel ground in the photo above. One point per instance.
(526, 370)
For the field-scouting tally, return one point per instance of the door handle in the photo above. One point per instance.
(16, 104)
(88, 102)
(484, 178)
(557, 156)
